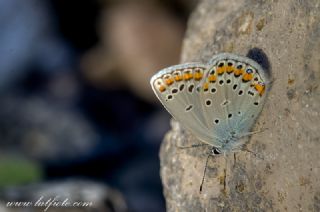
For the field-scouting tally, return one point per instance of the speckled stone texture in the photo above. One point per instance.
(285, 37)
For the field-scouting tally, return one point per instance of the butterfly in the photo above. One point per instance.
(217, 102)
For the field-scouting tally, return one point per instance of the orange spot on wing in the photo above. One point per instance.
(238, 72)
(198, 76)
(260, 88)
(169, 81)
(162, 88)
(221, 70)
(230, 69)
(247, 77)
(178, 78)
(187, 76)
(205, 86)
(212, 78)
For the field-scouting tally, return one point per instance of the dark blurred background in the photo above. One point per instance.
(78, 118)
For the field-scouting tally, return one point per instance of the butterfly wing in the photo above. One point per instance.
(236, 93)
(178, 88)
(218, 102)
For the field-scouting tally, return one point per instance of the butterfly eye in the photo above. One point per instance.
(215, 151)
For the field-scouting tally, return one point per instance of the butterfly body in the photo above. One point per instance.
(217, 102)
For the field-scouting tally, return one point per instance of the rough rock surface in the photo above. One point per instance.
(287, 33)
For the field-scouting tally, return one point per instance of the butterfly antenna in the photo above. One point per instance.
(204, 172)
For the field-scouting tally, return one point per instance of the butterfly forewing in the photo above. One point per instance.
(178, 88)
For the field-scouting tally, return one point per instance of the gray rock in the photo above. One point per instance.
(287, 35)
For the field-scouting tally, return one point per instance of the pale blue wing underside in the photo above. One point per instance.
(185, 105)
(218, 102)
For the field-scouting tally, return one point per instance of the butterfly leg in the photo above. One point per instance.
(213, 151)
(204, 172)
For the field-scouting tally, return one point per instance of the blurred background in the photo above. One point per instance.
(78, 118)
